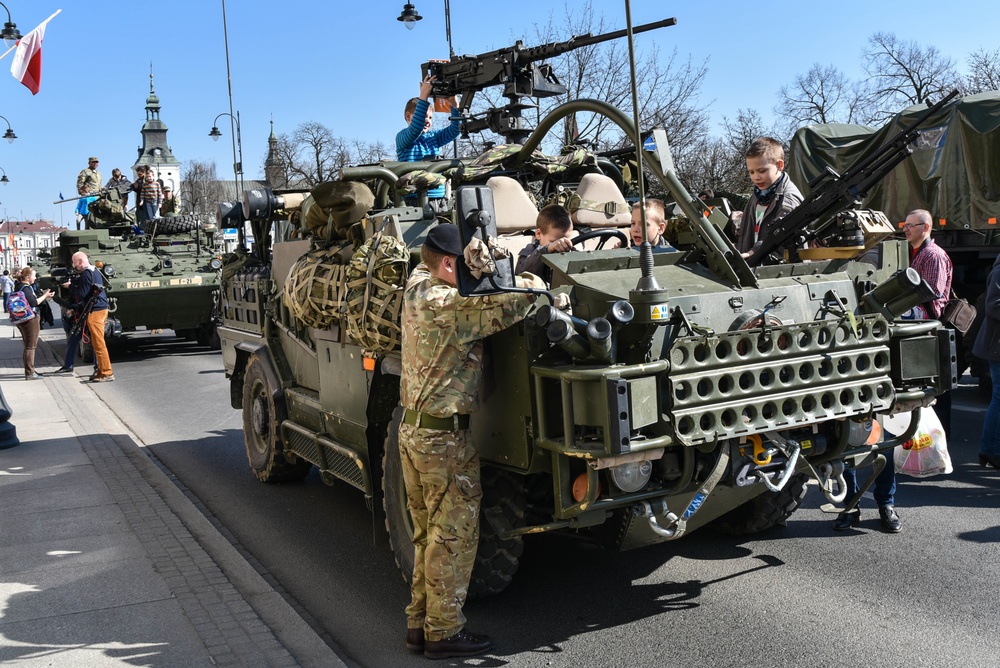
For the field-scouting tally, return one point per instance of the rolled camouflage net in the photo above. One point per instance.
(375, 280)
(316, 287)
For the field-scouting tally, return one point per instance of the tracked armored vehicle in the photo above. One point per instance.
(683, 388)
(163, 274)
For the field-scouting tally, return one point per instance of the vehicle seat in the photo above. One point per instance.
(515, 213)
(598, 203)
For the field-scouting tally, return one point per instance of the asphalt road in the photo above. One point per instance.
(802, 595)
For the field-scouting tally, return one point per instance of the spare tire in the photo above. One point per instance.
(172, 224)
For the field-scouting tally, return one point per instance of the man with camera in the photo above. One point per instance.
(91, 302)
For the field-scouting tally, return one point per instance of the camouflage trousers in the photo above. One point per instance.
(443, 492)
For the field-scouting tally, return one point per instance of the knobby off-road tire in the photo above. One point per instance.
(766, 511)
(171, 224)
(497, 560)
(262, 419)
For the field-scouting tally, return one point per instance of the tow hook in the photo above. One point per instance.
(831, 479)
(678, 525)
(790, 449)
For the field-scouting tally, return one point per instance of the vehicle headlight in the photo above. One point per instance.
(631, 477)
(215, 263)
(109, 271)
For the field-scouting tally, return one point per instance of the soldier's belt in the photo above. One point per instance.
(456, 422)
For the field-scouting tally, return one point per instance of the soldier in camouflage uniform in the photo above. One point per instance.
(442, 352)
(88, 185)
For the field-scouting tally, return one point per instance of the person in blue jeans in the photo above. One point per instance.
(885, 496)
(987, 347)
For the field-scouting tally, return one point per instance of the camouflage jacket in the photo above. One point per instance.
(88, 182)
(442, 345)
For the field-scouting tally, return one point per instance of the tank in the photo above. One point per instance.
(680, 389)
(162, 274)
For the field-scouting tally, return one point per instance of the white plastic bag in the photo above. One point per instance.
(925, 454)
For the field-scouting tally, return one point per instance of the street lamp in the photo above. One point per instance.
(237, 147)
(10, 34)
(3, 179)
(9, 135)
(409, 16)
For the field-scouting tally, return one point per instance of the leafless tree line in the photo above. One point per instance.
(897, 74)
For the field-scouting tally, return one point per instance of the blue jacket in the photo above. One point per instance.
(414, 145)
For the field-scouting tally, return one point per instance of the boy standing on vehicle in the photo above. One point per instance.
(774, 194)
(554, 227)
(442, 352)
(417, 141)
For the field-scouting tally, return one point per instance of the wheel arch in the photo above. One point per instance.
(244, 351)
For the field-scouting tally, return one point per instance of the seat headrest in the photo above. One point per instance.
(515, 211)
(599, 203)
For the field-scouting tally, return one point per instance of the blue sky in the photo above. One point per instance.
(351, 66)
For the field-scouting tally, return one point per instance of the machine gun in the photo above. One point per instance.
(834, 192)
(122, 189)
(515, 68)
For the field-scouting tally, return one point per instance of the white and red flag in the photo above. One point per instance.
(27, 65)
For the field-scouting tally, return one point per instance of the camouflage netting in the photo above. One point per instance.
(316, 286)
(502, 158)
(375, 281)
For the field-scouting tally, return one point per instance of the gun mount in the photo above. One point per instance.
(833, 193)
(517, 69)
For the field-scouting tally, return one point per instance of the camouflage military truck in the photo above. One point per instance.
(163, 274)
(681, 389)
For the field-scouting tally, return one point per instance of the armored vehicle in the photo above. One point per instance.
(682, 388)
(163, 274)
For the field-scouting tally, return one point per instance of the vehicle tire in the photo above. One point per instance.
(497, 560)
(262, 419)
(171, 224)
(765, 511)
(208, 335)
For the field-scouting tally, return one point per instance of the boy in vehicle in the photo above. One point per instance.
(656, 225)
(554, 227)
(417, 141)
(774, 194)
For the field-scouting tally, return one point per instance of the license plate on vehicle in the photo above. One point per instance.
(131, 285)
(191, 280)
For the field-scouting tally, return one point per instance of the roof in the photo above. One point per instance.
(29, 227)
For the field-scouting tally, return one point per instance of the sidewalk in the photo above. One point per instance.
(103, 561)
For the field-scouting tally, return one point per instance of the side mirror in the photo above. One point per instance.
(475, 216)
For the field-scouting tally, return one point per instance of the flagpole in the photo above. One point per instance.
(7, 52)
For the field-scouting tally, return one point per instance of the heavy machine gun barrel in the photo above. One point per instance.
(122, 189)
(514, 67)
(834, 192)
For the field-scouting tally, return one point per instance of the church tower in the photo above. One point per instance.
(274, 166)
(154, 151)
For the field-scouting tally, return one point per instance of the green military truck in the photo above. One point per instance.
(954, 173)
(682, 388)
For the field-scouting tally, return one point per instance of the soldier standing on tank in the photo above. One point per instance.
(88, 185)
(442, 351)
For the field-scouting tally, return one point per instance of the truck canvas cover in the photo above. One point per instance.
(954, 171)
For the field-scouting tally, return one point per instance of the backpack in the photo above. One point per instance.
(19, 308)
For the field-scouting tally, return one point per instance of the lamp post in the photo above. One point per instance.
(3, 179)
(9, 135)
(409, 17)
(10, 34)
(237, 147)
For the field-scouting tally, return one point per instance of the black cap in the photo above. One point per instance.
(444, 239)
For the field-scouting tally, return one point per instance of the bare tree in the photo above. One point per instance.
(984, 72)
(901, 74)
(201, 191)
(821, 95)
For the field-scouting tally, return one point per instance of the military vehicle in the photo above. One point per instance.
(163, 274)
(684, 388)
(952, 174)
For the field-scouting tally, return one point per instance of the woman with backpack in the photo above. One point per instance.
(26, 319)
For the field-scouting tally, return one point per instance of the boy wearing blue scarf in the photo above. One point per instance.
(774, 194)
